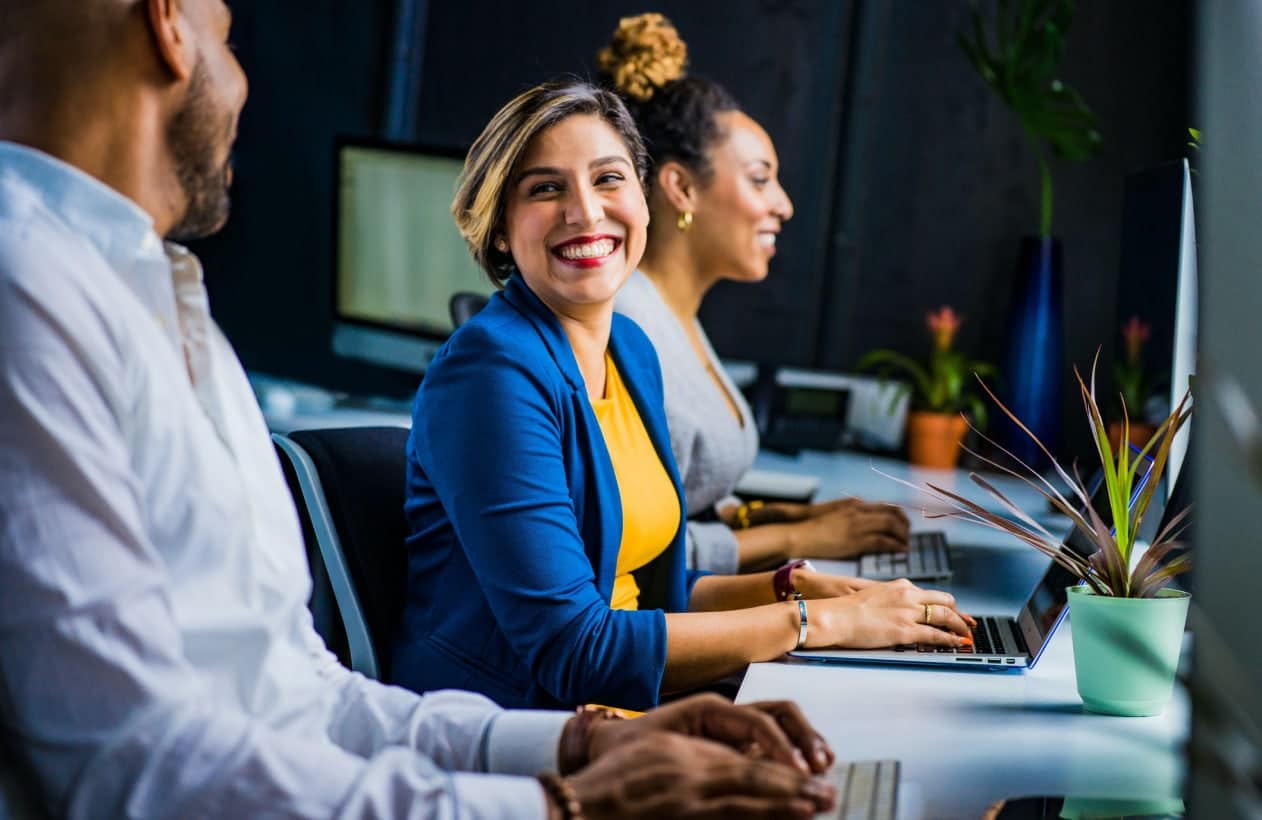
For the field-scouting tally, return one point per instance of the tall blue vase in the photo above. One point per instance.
(1033, 372)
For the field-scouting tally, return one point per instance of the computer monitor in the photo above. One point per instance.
(1157, 284)
(398, 255)
(1225, 748)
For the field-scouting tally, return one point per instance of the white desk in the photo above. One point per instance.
(969, 738)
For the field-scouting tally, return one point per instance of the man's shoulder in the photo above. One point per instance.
(49, 278)
(34, 241)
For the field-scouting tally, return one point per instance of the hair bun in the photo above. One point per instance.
(644, 55)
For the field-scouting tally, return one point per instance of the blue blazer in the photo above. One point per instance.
(516, 520)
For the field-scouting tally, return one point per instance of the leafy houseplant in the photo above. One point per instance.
(940, 391)
(1021, 67)
(1127, 624)
(1020, 60)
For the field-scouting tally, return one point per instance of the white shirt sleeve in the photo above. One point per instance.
(98, 698)
(460, 731)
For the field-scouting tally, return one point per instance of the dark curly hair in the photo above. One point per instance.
(675, 112)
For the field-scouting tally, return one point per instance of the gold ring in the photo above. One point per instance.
(929, 614)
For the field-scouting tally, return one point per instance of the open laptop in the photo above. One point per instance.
(928, 557)
(999, 641)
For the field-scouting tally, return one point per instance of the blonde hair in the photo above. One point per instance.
(488, 168)
(645, 54)
(677, 113)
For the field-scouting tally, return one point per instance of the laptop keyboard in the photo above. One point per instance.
(866, 790)
(993, 636)
(926, 557)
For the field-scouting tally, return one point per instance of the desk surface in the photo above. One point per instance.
(969, 738)
(966, 738)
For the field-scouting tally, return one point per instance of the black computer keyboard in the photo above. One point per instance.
(992, 636)
(986, 640)
(926, 557)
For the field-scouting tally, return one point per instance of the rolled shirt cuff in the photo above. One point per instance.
(497, 797)
(524, 742)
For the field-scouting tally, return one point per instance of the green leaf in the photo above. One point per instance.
(889, 359)
(1030, 44)
(977, 409)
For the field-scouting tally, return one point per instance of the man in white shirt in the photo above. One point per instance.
(156, 654)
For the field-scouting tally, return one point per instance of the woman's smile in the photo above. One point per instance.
(587, 251)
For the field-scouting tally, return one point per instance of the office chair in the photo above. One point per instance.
(463, 305)
(350, 483)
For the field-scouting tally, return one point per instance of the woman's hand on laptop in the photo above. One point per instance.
(824, 585)
(888, 614)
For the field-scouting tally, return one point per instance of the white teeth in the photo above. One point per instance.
(767, 240)
(590, 250)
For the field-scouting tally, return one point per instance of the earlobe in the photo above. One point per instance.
(676, 184)
(174, 49)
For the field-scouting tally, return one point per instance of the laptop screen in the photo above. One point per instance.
(1046, 604)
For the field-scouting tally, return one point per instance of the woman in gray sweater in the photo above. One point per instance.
(717, 208)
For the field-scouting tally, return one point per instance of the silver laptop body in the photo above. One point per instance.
(1000, 641)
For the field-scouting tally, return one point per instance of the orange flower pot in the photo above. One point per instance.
(934, 439)
(1141, 432)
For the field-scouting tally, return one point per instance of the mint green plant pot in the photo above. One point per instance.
(1095, 808)
(1126, 650)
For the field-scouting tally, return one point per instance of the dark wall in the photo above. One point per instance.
(912, 183)
(785, 60)
(945, 183)
(323, 72)
(317, 68)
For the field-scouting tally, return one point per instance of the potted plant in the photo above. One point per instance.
(941, 390)
(1127, 624)
(1020, 60)
(1133, 384)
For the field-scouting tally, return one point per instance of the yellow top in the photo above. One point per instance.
(650, 507)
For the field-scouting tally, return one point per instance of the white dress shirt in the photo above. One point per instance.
(157, 658)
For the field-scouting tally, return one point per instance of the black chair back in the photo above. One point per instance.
(463, 305)
(363, 471)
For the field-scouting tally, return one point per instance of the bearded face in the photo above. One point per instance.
(199, 138)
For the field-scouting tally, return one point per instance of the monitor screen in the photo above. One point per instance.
(1157, 288)
(399, 255)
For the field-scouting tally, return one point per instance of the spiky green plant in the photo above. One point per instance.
(1107, 571)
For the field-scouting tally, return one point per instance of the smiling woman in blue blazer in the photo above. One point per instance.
(546, 562)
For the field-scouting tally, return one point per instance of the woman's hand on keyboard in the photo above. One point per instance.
(849, 527)
(888, 614)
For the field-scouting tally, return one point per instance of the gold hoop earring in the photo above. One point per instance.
(684, 222)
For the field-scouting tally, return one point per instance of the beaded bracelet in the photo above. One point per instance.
(561, 793)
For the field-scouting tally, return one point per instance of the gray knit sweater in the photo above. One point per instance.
(712, 448)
